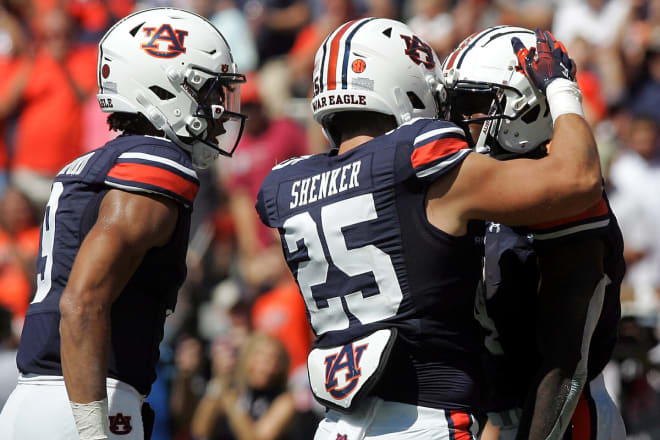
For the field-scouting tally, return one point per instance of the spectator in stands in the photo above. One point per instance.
(19, 246)
(188, 385)
(646, 98)
(49, 127)
(266, 142)
(635, 176)
(233, 23)
(530, 14)
(248, 400)
(639, 393)
(301, 56)
(96, 16)
(432, 22)
(15, 66)
(599, 22)
(275, 24)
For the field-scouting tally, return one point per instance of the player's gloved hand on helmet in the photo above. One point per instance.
(545, 62)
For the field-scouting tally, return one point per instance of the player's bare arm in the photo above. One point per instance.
(564, 183)
(128, 225)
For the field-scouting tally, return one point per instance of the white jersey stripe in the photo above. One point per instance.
(437, 132)
(163, 160)
(444, 164)
(572, 230)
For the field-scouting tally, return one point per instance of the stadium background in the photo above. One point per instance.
(237, 283)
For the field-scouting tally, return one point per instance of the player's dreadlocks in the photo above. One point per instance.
(132, 123)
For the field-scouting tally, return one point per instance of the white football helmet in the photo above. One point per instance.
(378, 65)
(481, 76)
(176, 69)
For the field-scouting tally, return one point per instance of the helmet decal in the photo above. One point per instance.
(165, 33)
(359, 66)
(376, 65)
(335, 53)
(415, 48)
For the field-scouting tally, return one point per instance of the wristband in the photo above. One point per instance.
(91, 419)
(564, 97)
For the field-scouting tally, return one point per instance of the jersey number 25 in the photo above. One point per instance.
(353, 262)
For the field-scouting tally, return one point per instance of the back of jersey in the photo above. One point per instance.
(355, 235)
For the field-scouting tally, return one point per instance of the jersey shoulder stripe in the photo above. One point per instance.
(437, 146)
(158, 169)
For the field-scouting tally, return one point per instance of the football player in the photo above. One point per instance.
(115, 232)
(384, 234)
(548, 342)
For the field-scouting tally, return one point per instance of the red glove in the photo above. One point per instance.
(545, 62)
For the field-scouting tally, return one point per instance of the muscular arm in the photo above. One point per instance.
(128, 225)
(522, 191)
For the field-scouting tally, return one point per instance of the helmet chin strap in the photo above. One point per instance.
(480, 146)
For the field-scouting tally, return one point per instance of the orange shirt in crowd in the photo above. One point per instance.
(9, 67)
(15, 286)
(280, 312)
(49, 130)
(94, 15)
(591, 91)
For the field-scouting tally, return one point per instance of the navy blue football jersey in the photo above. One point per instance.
(509, 291)
(355, 236)
(138, 164)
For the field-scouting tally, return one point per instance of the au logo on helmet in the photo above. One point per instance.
(419, 51)
(165, 33)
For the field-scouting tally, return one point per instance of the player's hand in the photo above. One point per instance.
(545, 62)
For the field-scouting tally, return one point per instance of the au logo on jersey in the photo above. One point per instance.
(120, 424)
(164, 34)
(419, 51)
(349, 359)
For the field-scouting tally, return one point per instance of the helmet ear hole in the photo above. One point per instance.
(415, 101)
(532, 115)
(163, 94)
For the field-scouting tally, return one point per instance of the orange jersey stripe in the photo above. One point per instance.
(155, 176)
(461, 423)
(435, 150)
(598, 210)
(334, 53)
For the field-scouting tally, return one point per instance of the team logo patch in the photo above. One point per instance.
(419, 51)
(342, 437)
(347, 359)
(159, 37)
(120, 424)
(105, 71)
(359, 66)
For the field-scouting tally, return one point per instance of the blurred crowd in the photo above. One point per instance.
(239, 336)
